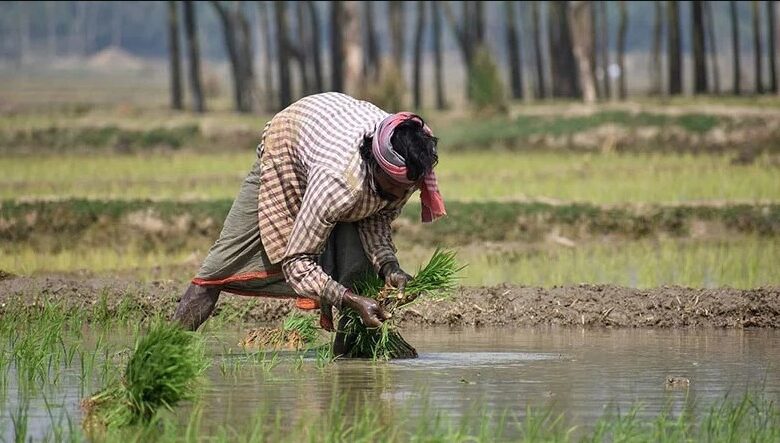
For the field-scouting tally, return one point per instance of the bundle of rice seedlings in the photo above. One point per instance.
(162, 371)
(434, 281)
(298, 331)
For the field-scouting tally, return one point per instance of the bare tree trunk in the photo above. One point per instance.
(23, 21)
(51, 26)
(535, 20)
(116, 27)
(418, 50)
(231, 46)
(699, 56)
(713, 50)
(268, 77)
(316, 59)
(353, 50)
(621, 49)
(336, 46)
(757, 52)
(675, 63)
(174, 55)
(283, 53)
(564, 77)
(513, 47)
(737, 63)
(246, 52)
(396, 16)
(304, 43)
(604, 49)
(467, 34)
(191, 28)
(581, 32)
(441, 102)
(656, 72)
(770, 36)
(371, 65)
(594, 39)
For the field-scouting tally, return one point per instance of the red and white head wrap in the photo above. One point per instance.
(395, 165)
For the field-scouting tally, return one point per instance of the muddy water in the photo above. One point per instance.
(582, 373)
(579, 372)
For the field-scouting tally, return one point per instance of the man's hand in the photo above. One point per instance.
(395, 276)
(370, 311)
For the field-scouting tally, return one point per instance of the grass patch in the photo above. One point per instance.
(492, 175)
(489, 132)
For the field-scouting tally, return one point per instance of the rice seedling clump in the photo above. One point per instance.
(162, 371)
(434, 281)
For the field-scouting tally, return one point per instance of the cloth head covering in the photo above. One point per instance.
(395, 165)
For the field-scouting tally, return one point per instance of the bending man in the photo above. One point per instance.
(314, 213)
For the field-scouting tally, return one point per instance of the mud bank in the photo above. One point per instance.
(505, 305)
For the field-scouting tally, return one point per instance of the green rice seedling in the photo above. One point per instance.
(162, 371)
(435, 281)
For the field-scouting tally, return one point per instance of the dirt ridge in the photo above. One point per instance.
(586, 305)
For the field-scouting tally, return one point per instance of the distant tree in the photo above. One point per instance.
(594, 46)
(418, 50)
(514, 48)
(469, 33)
(371, 61)
(316, 59)
(353, 49)
(604, 48)
(51, 27)
(580, 21)
(770, 36)
(699, 55)
(303, 54)
(757, 53)
(621, 49)
(539, 62)
(656, 73)
(713, 48)
(283, 49)
(563, 66)
(736, 63)
(396, 17)
(675, 62)
(191, 30)
(441, 102)
(267, 55)
(336, 46)
(174, 55)
(238, 44)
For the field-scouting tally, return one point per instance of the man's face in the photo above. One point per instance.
(387, 188)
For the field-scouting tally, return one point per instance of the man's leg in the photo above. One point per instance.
(196, 306)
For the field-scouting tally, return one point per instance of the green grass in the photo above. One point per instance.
(487, 132)
(492, 175)
(738, 261)
(742, 261)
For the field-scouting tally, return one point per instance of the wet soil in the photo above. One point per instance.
(504, 305)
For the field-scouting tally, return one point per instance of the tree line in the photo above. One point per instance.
(278, 50)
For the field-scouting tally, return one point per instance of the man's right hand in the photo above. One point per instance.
(370, 310)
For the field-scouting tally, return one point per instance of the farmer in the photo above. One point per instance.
(313, 215)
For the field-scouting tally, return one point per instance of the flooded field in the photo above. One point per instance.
(582, 375)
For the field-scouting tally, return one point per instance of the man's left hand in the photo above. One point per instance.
(396, 277)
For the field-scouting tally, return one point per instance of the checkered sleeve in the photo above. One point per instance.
(326, 198)
(376, 236)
